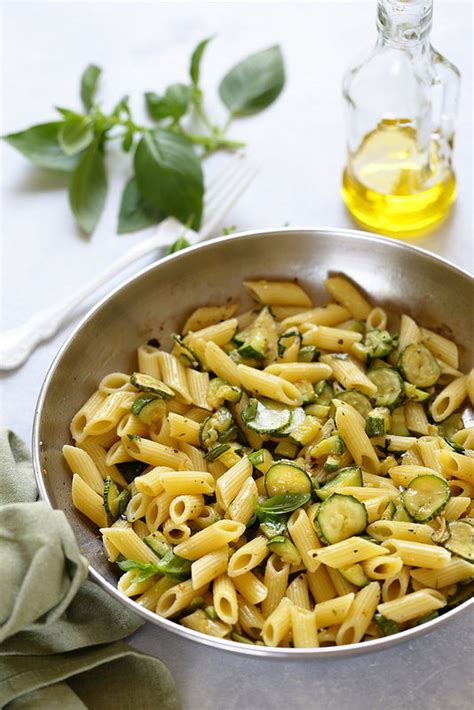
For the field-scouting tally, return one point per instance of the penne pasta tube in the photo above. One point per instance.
(248, 556)
(150, 483)
(348, 552)
(210, 566)
(294, 371)
(396, 586)
(441, 347)
(278, 293)
(418, 554)
(332, 314)
(177, 598)
(250, 617)
(349, 374)
(305, 539)
(449, 399)
(230, 483)
(225, 599)
(278, 624)
(148, 363)
(82, 464)
(334, 339)
(276, 583)
(211, 538)
(412, 606)
(352, 432)
(387, 529)
(205, 316)
(333, 611)
(251, 588)
(85, 499)
(303, 626)
(360, 615)
(456, 570)
(345, 293)
(266, 385)
(155, 454)
(456, 465)
(179, 483)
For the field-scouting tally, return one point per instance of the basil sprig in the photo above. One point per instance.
(283, 503)
(170, 565)
(167, 175)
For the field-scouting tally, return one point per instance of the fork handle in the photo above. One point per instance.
(18, 343)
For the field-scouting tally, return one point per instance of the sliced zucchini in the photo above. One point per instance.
(378, 422)
(236, 357)
(398, 422)
(131, 469)
(286, 339)
(339, 517)
(272, 525)
(449, 426)
(307, 391)
(298, 416)
(147, 383)
(261, 459)
(461, 540)
(414, 394)
(378, 343)
(320, 411)
(260, 338)
(390, 391)
(218, 428)
(418, 365)
(285, 450)
(324, 391)
(115, 502)
(184, 353)
(286, 477)
(217, 451)
(332, 463)
(284, 548)
(400, 514)
(220, 391)
(148, 408)
(270, 417)
(357, 326)
(355, 575)
(350, 476)
(332, 445)
(158, 543)
(357, 400)
(387, 626)
(425, 497)
(308, 353)
(389, 511)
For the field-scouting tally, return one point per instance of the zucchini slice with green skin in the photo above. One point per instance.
(284, 548)
(355, 575)
(217, 451)
(450, 426)
(378, 422)
(413, 393)
(307, 391)
(357, 400)
(308, 353)
(115, 502)
(187, 356)
(220, 391)
(158, 543)
(147, 383)
(389, 511)
(149, 408)
(261, 459)
(333, 445)
(286, 339)
(332, 463)
(425, 497)
(260, 338)
(378, 343)
(350, 476)
(270, 417)
(461, 540)
(339, 517)
(217, 428)
(398, 422)
(324, 391)
(390, 391)
(418, 365)
(298, 415)
(286, 477)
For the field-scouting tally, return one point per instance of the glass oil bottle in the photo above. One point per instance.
(401, 105)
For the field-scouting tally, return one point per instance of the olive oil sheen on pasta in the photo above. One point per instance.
(401, 104)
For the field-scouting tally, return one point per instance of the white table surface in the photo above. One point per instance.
(300, 145)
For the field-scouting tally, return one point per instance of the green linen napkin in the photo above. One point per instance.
(60, 634)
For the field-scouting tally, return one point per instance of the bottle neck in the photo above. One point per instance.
(405, 23)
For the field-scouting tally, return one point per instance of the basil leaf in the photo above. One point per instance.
(147, 570)
(254, 83)
(180, 243)
(284, 503)
(122, 108)
(40, 145)
(174, 566)
(75, 134)
(194, 68)
(173, 104)
(88, 187)
(134, 212)
(89, 81)
(169, 176)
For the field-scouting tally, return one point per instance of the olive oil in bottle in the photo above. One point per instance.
(401, 104)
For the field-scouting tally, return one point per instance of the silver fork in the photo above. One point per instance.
(18, 343)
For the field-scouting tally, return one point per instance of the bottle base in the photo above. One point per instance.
(400, 216)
